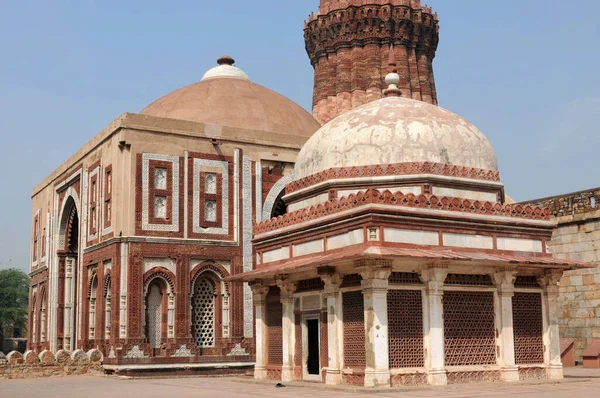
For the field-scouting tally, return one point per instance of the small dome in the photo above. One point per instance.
(225, 96)
(395, 130)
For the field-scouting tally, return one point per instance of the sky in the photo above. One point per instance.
(524, 72)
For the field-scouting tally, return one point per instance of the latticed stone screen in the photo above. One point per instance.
(469, 328)
(468, 280)
(405, 323)
(351, 280)
(324, 341)
(154, 320)
(204, 313)
(527, 282)
(528, 328)
(274, 329)
(354, 329)
(309, 285)
(405, 278)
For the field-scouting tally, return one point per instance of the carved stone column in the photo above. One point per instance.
(260, 300)
(287, 328)
(434, 278)
(505, 283)
(550, 283)
(335, 336)
(374, 288)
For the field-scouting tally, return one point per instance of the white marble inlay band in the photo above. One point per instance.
(347, 239)
(470, 241)
(520, 245)
(247, 243)
(283, 253)
(410, 236)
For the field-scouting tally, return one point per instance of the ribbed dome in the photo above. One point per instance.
(395, 130)
(226, 97)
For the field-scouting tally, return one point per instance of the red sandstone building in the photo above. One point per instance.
(142, 240)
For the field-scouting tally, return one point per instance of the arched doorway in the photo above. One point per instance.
(159, 311)
(68, 256)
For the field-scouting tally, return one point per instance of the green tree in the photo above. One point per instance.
(14, 297)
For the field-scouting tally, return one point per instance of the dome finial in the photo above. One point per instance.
(392, 78)
(226, 60)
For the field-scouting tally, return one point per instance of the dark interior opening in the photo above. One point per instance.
(312, 363)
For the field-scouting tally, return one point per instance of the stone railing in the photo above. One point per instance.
(45, 364)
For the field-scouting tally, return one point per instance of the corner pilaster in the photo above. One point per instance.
(550, 283)
(375, 284)
(335, 338)
(287, 289)
(259, 292)
(434, 278)
(505, 283)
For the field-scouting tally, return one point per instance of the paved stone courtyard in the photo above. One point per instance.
(579, 382)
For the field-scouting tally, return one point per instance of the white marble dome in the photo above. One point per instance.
(395, 130)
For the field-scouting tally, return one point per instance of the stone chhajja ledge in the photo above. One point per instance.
(432, 202)
(46, 363)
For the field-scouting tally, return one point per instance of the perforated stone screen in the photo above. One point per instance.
(528, 328)
(354, 329)
(405, 323)
(204, 313)
(274, 337)
(154, 320)
(469, 328)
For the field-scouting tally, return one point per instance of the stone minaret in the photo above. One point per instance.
(348, 42)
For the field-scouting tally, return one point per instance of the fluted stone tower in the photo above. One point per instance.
(348, 42)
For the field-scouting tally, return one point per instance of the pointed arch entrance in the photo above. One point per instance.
(68, 261)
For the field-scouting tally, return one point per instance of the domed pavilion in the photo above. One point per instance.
(399, 261)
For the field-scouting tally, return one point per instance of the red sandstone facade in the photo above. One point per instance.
(348, 43)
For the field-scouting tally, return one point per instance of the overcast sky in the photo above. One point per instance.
(524, 72)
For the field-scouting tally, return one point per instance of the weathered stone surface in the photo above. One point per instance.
(30, 357)
(95, 355)
(578, 238)
(79, 356)
(46, 357)
(62, 357)
(14, 358)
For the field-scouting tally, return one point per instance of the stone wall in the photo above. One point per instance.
(578, 238)
(45, 364)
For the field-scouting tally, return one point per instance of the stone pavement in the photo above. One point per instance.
(580, 382)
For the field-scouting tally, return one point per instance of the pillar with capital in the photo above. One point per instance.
(433, 317)
(375, 284)
(259, 292)
(550, 283)
(505, 283)
(287, 290)
(335, 339)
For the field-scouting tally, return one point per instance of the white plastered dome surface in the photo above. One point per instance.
(395, 130)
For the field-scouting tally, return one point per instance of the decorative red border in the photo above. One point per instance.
(373, 196)
(393, 169)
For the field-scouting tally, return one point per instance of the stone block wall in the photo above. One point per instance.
(46, 364)
(578, 238)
